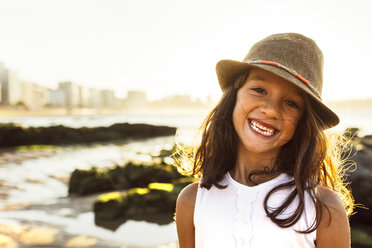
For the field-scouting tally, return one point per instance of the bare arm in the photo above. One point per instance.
(334, 229)
(185, 216)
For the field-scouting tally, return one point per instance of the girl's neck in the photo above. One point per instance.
(248, 162)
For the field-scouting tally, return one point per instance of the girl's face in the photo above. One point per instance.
(267, 111)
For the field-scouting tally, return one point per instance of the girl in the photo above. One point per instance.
(269, 176)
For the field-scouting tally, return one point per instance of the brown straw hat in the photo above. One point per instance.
(291, 56)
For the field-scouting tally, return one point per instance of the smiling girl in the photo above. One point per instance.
(268, 174)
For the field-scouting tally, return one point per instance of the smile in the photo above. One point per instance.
(263, 130)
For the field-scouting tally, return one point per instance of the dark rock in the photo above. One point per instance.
(361, 183)
(351, 132)
(361, 237)
(131, 175)
(167, 153)
(83, 182)
(110, 206)
(12, 135)
(367, 141)
(155, 203)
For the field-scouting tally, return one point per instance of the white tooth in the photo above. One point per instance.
(261, 129)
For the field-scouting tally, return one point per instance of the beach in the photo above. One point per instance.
(36, 207)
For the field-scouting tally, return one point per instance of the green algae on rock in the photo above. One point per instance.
(155, 203)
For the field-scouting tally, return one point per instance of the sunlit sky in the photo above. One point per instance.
(171, 47)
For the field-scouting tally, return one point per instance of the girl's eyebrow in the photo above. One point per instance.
(258, 78)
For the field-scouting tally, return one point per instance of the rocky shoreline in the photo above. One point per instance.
(68, 220)
(134, 191)
(148, 191)
(12, 135)
(148, 195)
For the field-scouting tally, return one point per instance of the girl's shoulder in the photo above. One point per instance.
(188, 195)
(330, 198)
(186, 201)
(185, 215)
(334, 229)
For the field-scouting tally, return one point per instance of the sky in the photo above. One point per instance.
(168, 47)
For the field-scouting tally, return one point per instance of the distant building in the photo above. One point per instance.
(84, 97)
(181, 100)
(4, 77)
(58, 98)
(135, 99)
(108, 98)
(174, 101)
(72, 94)
(11, 86)
(95, 98)
(35, 96)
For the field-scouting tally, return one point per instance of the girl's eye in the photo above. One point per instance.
(292, 104)
(259, 90)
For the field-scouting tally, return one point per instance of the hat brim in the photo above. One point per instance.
(228, 70)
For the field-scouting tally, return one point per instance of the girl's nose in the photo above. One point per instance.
(270, 109)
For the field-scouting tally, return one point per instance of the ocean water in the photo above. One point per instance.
(177, 118)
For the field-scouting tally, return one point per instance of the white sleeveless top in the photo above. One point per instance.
(235, 217)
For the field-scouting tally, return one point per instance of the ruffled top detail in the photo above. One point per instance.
(246, 197)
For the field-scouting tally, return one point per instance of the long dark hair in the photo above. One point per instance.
(308, 157)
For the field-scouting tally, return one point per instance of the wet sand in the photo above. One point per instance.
(45, 236)
(37, 231)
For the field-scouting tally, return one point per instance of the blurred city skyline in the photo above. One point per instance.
(17, 94)
(171, 47)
